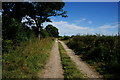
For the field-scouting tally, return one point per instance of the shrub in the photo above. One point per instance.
(102, 50)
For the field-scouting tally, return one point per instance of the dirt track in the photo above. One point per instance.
(85, 68)
(53, 68)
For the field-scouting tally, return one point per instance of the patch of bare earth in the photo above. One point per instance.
(86, 69)
(53, 68)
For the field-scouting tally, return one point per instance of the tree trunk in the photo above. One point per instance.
(39, 33)
(39, 24)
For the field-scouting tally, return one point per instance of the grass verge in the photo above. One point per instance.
(69, 67)
(27, 60)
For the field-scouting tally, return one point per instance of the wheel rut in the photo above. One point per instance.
(86, 69)
(53, 68)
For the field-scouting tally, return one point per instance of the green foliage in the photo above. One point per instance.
(27, 60)
(44, 33)
(7, 45)
(98, 50)
(69, 67)
(13, 33)
(39, 11)
(34, 9)
(65, 38)
(53, 31)
(11, 28)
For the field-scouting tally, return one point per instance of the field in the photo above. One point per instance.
(100, 51)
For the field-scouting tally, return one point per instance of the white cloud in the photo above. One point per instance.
(84, 20)
(81, 20)
(0, 13)
(70, 26)
(90, 22)
(28, 19)
(66, 28)
(108, 26)
(108, 29)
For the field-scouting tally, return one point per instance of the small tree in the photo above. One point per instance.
(53, 31)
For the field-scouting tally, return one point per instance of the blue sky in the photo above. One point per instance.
(88, 18)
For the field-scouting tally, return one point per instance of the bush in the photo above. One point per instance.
(44, 33)
(8, 45)
(14, 33)
(102, 50)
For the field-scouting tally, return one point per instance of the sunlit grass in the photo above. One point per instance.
(69, 67)
(28, 59)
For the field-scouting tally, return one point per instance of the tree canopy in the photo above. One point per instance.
(53, 31)
(38, 11)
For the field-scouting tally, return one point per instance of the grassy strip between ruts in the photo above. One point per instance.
(27, 60)
(69, 67)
